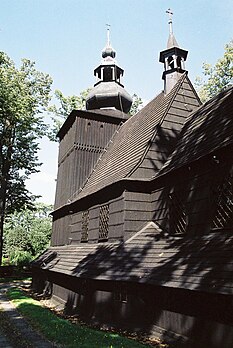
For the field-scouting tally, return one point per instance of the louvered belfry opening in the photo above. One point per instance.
(177, 215)
(223, 217)
(85, 225)
(104, 222)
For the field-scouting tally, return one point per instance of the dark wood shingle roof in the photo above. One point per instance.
(205, 131)
(202, 263)
(129, 144)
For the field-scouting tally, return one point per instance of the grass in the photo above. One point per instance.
(63, 332)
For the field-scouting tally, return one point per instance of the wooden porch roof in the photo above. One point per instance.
(202, 263)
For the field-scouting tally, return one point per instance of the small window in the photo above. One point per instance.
(104, 222)
(85, 224)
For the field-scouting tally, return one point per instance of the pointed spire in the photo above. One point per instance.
(108, 52)
(108, 34)
(173, 58)
(171, 39)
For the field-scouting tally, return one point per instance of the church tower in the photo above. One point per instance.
(109, 92)
(173, 59)
(85, 134)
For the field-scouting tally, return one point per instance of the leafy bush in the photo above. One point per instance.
(26, 234)
(20, 258)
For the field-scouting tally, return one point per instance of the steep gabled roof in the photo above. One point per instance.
(202, 262)
(129, 144)
(205, 131)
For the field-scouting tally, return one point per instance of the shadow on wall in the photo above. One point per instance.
(181, 282)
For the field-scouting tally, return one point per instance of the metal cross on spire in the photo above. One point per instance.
(170, 14)
(108, 34)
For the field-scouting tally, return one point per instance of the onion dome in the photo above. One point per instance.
(108, 51)
(108, 92)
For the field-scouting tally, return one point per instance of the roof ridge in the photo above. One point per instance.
(173, 91)
(128, 145)
(193, 89)
(198, 116)
(80, 189)
(148, 224)
(130, 123)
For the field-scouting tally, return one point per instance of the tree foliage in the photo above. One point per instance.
(73, 102)
(136, 105)
(64, 108)
(24, 95)
(218, 76)
(27, 234)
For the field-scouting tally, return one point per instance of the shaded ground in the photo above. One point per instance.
(16, 332)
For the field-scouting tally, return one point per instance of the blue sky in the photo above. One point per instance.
(65, 39)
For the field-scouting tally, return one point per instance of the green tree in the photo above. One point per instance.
(136, 105)
(64, 108)
(218, 76)
(24, 95)
(73, 102)
(27, 234)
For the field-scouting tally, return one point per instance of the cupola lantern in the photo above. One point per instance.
(173, 59)
(108, 91)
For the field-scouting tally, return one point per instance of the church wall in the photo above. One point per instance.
(116, 219)
(159, 204)
(60, 231)
(79, 151)
(137, 212)
(191, 318)
(194, 317)
(69, 229)
(190, 195)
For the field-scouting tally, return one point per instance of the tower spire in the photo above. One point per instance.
(108, 34)
(170, 14)
(173, 58)
(171, 39)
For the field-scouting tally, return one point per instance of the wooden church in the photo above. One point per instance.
(142, 227)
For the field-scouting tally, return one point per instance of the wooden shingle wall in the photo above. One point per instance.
(60, 231)
(79, 151)
(160, 208)
(194, 191)
(137, 212)
(116, 219)
(72, 225)
(167, 132)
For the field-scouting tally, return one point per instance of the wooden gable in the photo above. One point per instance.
(167, 131)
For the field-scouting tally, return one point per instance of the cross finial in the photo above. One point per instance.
(170, 14)
(108, 34)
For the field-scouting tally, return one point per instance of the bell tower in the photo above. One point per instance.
(108, 92)
(173, 59)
